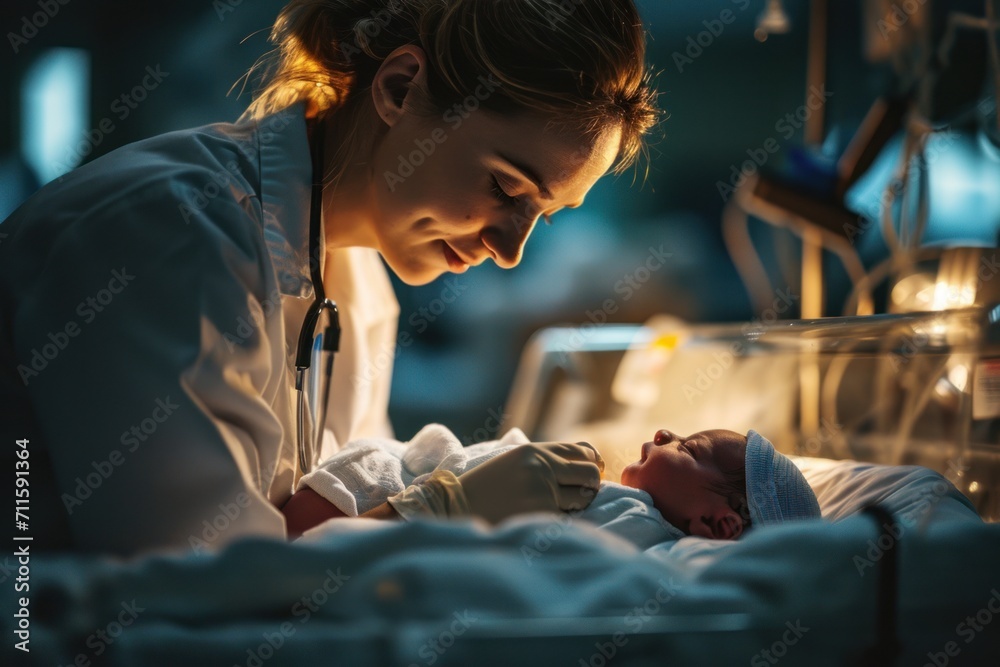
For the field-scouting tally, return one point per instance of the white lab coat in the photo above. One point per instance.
(150, 304)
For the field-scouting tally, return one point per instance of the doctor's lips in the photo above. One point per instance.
(455, 263)
(457, 257)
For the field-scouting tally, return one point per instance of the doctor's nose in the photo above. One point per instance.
(506, 241)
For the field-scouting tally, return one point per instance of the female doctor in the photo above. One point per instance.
(153, 301)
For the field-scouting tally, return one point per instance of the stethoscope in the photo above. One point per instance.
(329, 341)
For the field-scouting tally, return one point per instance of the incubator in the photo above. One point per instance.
(899, 389)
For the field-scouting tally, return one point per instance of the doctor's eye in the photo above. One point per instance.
(502, 196)
(509, 201)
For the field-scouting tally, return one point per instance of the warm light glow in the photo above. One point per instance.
(958, 376)
(948, 296)
(915, 292)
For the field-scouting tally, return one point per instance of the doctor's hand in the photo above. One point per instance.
(537, 477)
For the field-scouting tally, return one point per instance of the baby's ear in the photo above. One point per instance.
(722, 523)
(726, 524)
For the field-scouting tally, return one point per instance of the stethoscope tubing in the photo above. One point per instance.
(331, 336)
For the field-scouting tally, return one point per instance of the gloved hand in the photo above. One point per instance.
(537, 477)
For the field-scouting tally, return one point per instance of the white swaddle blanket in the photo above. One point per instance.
(366, 472)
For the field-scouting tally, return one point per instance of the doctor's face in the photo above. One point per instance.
(455, 190)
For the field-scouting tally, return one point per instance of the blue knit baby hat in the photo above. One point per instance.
(776, 489)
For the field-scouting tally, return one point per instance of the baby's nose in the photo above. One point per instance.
(663, 436)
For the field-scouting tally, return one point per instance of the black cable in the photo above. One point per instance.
(331, 335)
(887, 646)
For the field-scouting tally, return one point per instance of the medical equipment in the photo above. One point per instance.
(914, 388)
(311, 347)
(935, 97)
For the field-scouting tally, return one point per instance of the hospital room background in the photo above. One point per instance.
(799, 253)
(743, 211)
(736, 105)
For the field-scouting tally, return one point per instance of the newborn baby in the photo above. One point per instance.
(713, 484)
(717, 484)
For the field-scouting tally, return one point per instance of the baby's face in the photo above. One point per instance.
(677, 472)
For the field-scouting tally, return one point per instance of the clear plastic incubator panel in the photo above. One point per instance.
(919, 388)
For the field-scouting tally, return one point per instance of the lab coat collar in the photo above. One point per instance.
(286, 178)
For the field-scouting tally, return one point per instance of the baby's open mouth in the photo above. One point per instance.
(645, 451)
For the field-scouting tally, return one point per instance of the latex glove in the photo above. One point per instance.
(537, 477)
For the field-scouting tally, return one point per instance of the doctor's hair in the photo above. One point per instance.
(581, 63)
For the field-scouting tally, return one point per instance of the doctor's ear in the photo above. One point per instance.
(401, 77)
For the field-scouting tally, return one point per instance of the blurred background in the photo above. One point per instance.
(751, 87)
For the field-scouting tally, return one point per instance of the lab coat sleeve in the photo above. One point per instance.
(153, 416)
